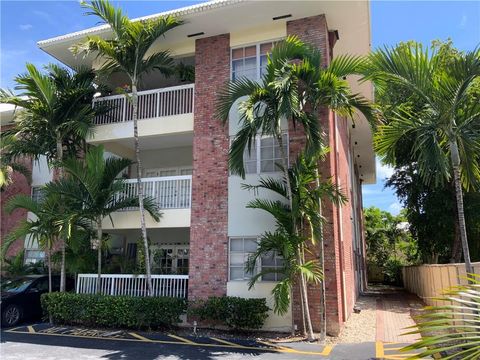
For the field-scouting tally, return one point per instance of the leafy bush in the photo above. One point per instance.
(113, 311)
(393, 271)
(234, 312)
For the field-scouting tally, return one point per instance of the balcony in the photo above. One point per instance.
(170, 192)
(173, 195)
(165, 111)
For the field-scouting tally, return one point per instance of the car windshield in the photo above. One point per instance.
(16, 285)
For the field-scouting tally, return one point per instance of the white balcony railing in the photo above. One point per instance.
(133, 285)
(170, 192)
(155, 103)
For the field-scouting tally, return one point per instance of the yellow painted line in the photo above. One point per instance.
(226, 342)
(186, 341)
(379, 350)
(139, 337)
(30, 329)
(327, 350)
(182, 342)
(14, 329)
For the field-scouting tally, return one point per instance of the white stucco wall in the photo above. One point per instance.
(262, 290)
(166, 158)
(41, 174)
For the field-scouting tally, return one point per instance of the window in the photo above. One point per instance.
(272, 261)
(33, 256)
(241, 248)
(37, 193)
(250, 61)
(264, 156)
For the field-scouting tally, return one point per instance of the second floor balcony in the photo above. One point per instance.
(165, 111)
(156, 103)
(172, 194)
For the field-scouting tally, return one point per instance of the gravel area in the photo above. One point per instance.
(359, 327)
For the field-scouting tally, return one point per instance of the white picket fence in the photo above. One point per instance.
(170, 192)
(175, 100)
(133, 285)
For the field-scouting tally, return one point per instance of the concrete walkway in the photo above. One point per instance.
(394, 315)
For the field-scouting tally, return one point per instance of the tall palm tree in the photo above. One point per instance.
(294, 87)
(445, 130)
(96, 189)
(129, 52)
(44, 229)
(290, 238)
(53, 117)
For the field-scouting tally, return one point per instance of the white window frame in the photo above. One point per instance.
(258, 266)
(258, 152)
(257, 54)
(177, 170)
(33, 260)
(38, 188)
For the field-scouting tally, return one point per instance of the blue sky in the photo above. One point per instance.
(23, 23)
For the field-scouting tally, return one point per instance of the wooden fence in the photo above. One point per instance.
(429, 281)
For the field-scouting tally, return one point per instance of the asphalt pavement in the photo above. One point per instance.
(46, 342)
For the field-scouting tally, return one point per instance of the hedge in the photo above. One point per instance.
(113, 311)
(234, 312)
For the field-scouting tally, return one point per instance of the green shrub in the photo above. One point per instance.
(393, 271)
(234, 312)
(113, 311)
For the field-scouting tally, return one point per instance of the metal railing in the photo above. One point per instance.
(175, 100)
(133, 285)
(170, 192)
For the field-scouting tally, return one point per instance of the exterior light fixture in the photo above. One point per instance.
(281, 17)
(196, 34)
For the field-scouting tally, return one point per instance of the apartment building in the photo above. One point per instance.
(206, 231)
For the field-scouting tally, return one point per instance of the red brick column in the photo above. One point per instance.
(314, 31)
(208, 232)
(9, 222)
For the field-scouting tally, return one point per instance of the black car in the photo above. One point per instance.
(21, 297)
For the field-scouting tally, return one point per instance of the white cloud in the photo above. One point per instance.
(25, 27)
(45, 17)
(13, 54)
(395, 208)
(383, 171)
(463, 21)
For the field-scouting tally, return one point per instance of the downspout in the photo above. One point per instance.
(339, 224)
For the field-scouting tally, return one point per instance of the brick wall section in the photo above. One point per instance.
(338, 254)
(20, 185)
(208, 231)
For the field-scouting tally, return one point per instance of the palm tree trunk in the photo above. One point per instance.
(283, 155)
(140, 189)
(49, 265)
(304, 323)
(303, 283)
(99, 255)
(455, 156)
(456, 255)
(321, 259)
(303, 289)
(62, 241)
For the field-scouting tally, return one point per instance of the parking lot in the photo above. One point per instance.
(43, 341)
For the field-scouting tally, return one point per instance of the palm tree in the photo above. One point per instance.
(450, 331)
(127, 53)
(445, 130)
(294, 87)
(53, 117)
(291, 237)
(44, 229)
(96, 189)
